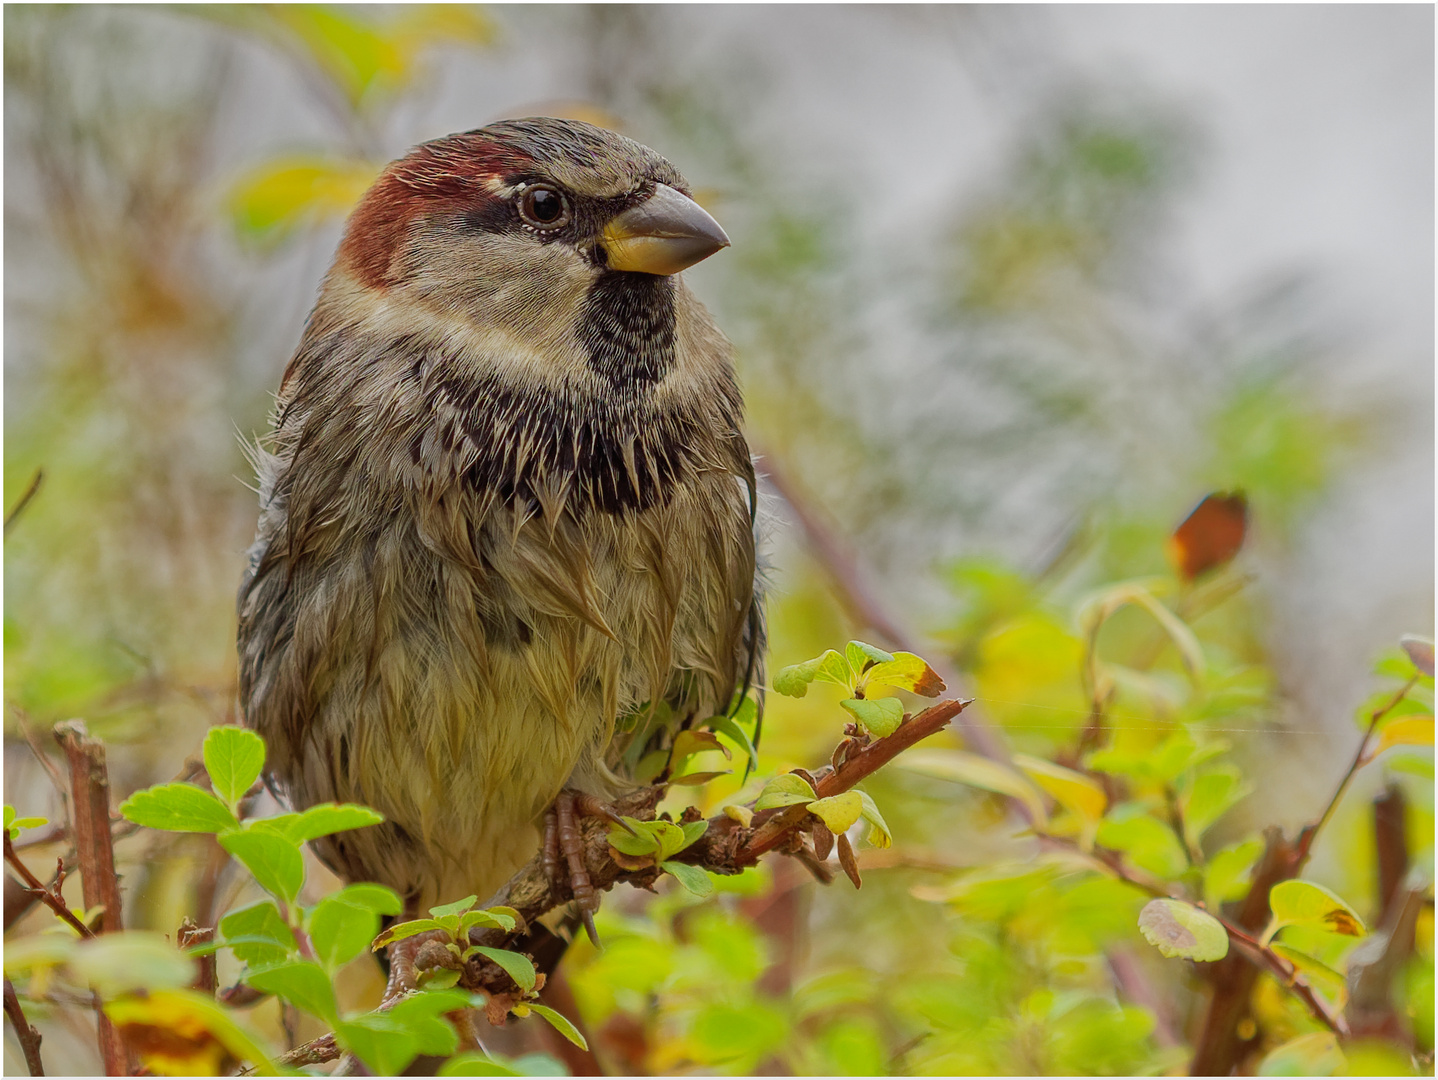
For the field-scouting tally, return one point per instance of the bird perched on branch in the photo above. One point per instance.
(507, 508)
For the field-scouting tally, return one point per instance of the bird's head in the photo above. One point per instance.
(541, 229)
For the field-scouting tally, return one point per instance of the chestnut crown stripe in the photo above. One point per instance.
(453, 175)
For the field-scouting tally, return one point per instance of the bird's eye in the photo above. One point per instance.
(544, 208)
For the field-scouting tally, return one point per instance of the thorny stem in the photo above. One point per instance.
(28, 1036)
(46, 896)
(1309, 834)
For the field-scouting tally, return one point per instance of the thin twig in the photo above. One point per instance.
(1288, 975)
(48, 895)
(852, 769)
(28, 1036)
(1310, 833)
(30, 491)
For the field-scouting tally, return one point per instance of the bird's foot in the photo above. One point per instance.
(403, 967)
(563, 839)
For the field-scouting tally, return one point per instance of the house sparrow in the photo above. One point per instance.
(507, 509)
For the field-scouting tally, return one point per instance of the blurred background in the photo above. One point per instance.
(1011, 288)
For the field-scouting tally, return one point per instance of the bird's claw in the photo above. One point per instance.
(562, 838)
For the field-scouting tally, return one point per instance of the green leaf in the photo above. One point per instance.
(343, 924)
(14, 826)
(560, 1024)
(400, 931)
(136, 960)
(788, 789)
(966, 768)
(1179, 929)
(651, 765)
(459, 907)
(325, 819)
(838, 812)
(731, 728)
(516, 965)
(274, 861)
(26, 953)
(380, 1041)
(669, 836)
(881, 716)
(300, 982)
(906, 672)
(639, 843)
(794, 680)
(693, 878)
(178, 808)
(1213, 793)
(499, 918)
(1315, 1054)
(859, 654)
(879, 834)
(1319, 975)
(1304, 903)
(472, 1063)
(1226, 875)
(234, 757)
(693, 831)
(1148, 843)
(267, 938)
(422, 1016)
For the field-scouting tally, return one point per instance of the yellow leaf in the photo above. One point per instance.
(906, 672)
(839, 812)
(273, 200)
(1073, 791)
(742, 814)
(1404, 731)
(1304, 903)
(183, 1033)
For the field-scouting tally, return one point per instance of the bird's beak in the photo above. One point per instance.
(662, 235)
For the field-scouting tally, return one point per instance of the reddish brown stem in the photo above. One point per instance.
(46, 894)
(28, 1036)
(851, 770)
(1310, 833)
(90, 812)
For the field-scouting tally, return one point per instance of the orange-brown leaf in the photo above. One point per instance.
(1211, 535)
